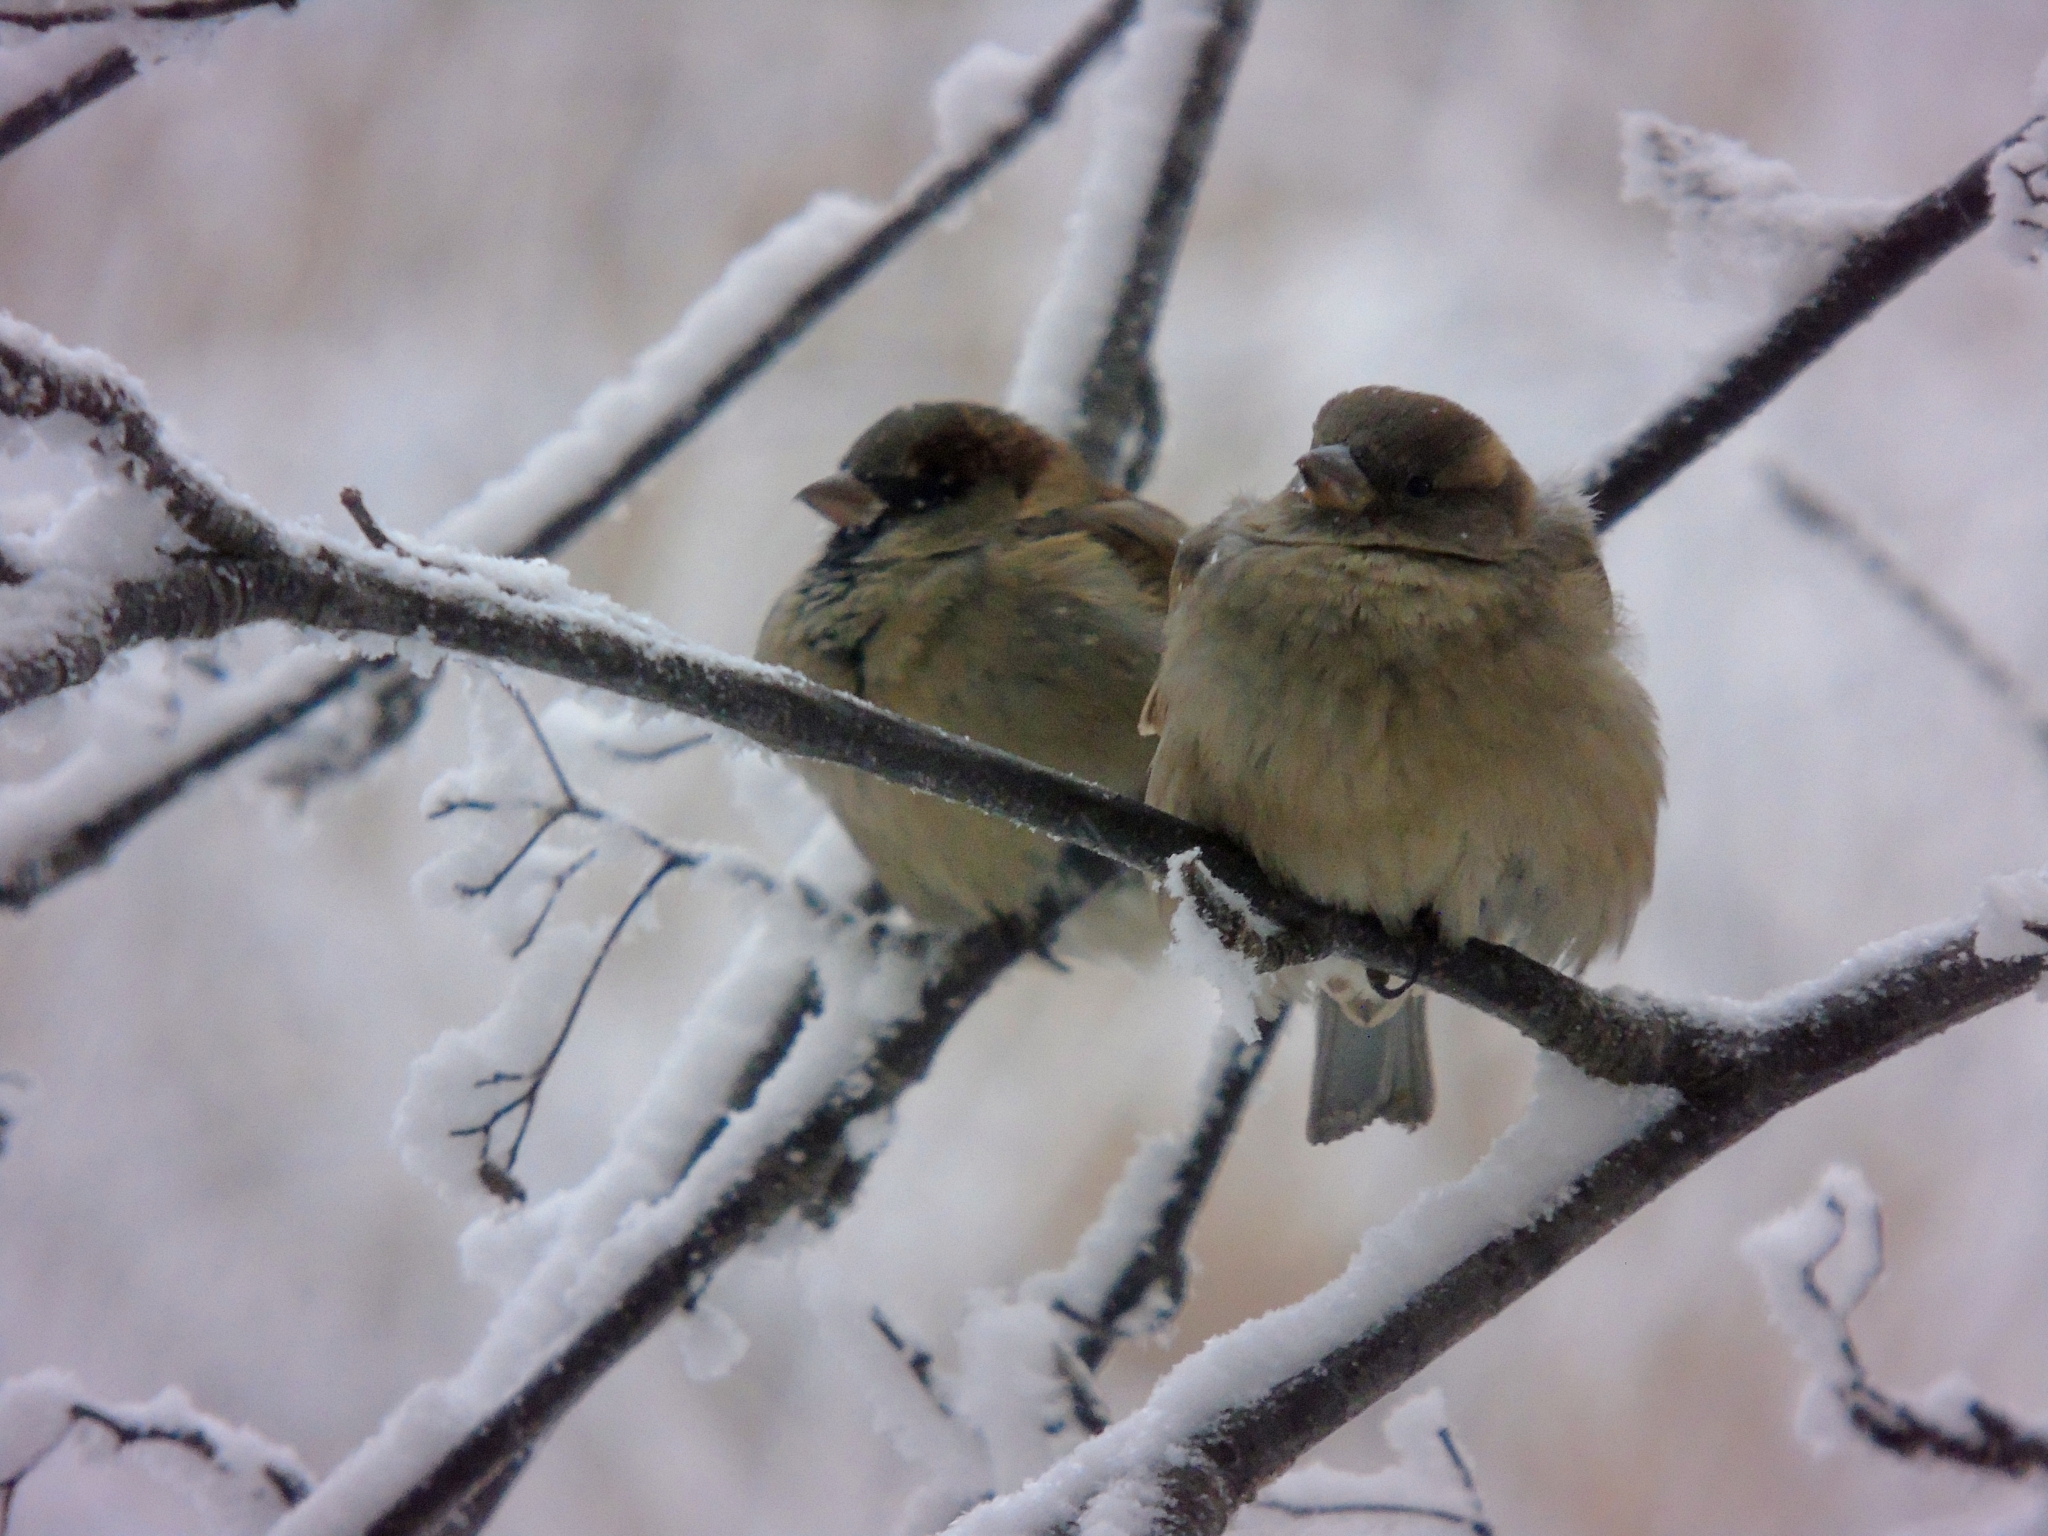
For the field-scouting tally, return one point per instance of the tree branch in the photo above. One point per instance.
(166, 10)
(930, 193)
(1897, 581)
(1121, 416)
(85, 85)
(1871, 271)
(808, 1171)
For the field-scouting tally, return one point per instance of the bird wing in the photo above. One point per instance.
(1141, 536)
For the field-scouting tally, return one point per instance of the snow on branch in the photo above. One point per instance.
(2019, 190)
(144, 33)
(237, 1479)
(1084, 372)
(769, 295)
(528, 614)
(1840, 1229)
(1430, 1481)
(1870, 270)
(1587, 1155)
(604, 1284)
(1740, 224)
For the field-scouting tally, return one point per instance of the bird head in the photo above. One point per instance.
(946, 466)
(1396, 470)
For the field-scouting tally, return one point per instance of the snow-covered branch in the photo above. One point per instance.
(528, 615)
(1870, 271)
(239, 1480)
(767, 298)
(1841, 1228)
(1084, 372)
(144, 36)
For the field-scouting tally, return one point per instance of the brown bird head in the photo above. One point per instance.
(1392, 469)
(955, 457)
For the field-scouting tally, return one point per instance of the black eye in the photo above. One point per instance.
(1419, 485)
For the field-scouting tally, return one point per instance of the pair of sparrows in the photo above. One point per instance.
(1395, 683)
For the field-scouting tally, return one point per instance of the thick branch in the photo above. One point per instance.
(1871, 271)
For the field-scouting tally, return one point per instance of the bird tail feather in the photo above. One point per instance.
(1370, 1068)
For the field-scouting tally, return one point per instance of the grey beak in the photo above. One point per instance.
(1333, 480)
(841, 500)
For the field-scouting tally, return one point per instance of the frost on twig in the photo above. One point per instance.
(1817, 1263)
(1894, 576)
(238, 1480)
(1742, 226)
(1430, 1484)
(1869, 272)
(529, 837)
(1085, 371)
(2019, 183)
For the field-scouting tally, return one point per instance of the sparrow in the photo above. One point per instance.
(1396, 683)
(979, 578)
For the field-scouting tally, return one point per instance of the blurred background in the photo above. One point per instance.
(390, 244)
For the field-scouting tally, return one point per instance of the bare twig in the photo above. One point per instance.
(1896, 580)
(165, 10)
(1871, 271)
(85, 85)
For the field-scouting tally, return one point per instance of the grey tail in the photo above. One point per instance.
(1367, 1072)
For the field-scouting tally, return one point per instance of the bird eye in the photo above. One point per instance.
(1419, 485)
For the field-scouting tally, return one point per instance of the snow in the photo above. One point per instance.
(979, 96)
(145, 716)
(1817, 1262)
(1134, 122)
(1426, 1479)
(1241, 988)
(975, 99)
(1571, 1121)
(2011, 903)
(1423, 198)
(1742, 226)
(230, 1485)
(509, 511)
(2019, 186)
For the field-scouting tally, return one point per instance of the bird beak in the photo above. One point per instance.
(841, 500)
(1332, 479)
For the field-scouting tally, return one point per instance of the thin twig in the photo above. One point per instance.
(1891, 576)
(807, 1167)
(1158, 1261)
(86, 85)
(1121, 414)
(1871, 271)
(166, 10)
